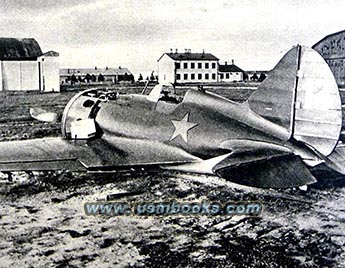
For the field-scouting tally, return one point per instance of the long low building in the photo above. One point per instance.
(70, 76)
(23, 66)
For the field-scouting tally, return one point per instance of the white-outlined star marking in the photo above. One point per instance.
(182, 127)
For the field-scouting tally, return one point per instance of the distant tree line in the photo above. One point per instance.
(152, 78)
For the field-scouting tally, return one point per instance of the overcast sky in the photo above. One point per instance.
(135, 33)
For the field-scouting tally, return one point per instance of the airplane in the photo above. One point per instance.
(291, 122)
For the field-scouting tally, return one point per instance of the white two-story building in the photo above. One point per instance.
(187, 67)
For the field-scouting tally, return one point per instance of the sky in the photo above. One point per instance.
(135, 33)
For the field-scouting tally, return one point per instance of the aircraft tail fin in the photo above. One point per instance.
(301, 95)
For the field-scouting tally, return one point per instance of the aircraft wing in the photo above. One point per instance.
(39, 154)
(121, 152)
(98, 154)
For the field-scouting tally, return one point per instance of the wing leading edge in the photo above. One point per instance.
(113, 153)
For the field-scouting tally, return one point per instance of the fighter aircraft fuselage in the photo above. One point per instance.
(201, 123)
(196, 127)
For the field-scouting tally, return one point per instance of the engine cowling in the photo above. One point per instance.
(78, 119)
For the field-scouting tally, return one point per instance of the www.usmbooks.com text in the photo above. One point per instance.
(173, 208)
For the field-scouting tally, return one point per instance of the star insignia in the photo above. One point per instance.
(181, 128)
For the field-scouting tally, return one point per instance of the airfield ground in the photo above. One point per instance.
(43, 224)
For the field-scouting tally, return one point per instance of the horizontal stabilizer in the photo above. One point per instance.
(277, 171)
(336, 160)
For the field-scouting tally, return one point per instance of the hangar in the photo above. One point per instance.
(23, 66)
(332, 49)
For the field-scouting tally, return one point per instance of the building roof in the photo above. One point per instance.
(51, 53)
(19, 49)
(190, 56)
(91, 71)
(229, 68)
(326, 37)
(257, 72)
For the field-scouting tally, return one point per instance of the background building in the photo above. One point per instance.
(187, 67)
(72, 76)
(332, 49)
(230, 73)
(23, 66)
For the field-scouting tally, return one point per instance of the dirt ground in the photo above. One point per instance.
(43, 223)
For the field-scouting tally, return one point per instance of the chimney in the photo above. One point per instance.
(176, 51)
(232, 62)
(171, 50)
(203, 51)
(226, 63)
(95, 67)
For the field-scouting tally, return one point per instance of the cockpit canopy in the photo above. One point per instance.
(164, 92)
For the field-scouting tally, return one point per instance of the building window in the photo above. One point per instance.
(199, 65)
(192, 65)
(178, 65)
(206, 65)
(213, 76)
(178, 77)
(185, 65)
(206, 76)
(199, 76)
(213, 65)
(221, 76)
(192, 76)
(227, 75)
(185, 76)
